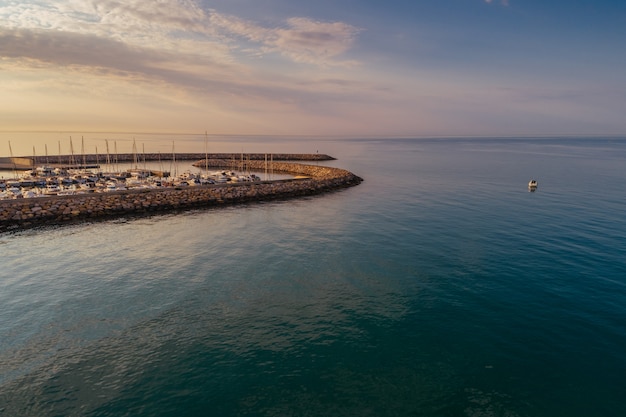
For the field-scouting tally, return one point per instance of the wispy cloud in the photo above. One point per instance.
(96, 53)
(139, 63)
(502, 2)
(302, 40)
(182, 26)
(170, 45)
(136, 55)
(200, 75)
(104, 17)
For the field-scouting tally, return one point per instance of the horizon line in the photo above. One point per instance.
(329, 136)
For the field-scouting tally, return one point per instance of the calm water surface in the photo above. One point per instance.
(438, 287)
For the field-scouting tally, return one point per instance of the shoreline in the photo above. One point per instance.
(27, 213)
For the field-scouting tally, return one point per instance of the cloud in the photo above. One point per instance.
(94, 55)
(174, 47)
(173, 15)
(310, 41)
(302, 40)
(502, 2)
(103, 15)
(66, 49)
(134, 54)
(80, 60)
(182, 26)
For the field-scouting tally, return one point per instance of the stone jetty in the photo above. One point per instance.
(309, 180)
(26, 162)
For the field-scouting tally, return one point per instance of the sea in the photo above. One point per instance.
(440, 286)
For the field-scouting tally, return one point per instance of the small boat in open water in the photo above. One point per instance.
(532, 185)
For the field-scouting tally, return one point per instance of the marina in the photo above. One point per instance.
(46, 181)
(91, 177)
(85, 196)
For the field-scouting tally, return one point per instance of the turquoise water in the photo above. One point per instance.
(438, 287)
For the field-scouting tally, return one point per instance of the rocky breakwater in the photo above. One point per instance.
(31, 212)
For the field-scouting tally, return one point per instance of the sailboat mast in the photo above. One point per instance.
(82, 150)
(134, 154)
(174, 160)
(115, 150)
(11, 153)
(71, 153)
(206, 152)
(106, 142)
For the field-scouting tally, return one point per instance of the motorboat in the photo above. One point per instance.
(532, 185)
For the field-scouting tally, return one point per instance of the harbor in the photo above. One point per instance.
(65, 175)
(121, 196)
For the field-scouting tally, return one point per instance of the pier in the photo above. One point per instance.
(16, 163)
(24, 163)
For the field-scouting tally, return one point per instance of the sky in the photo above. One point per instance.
(325, 67)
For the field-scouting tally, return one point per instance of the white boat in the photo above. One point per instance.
(67, 192)
(15, 192)
(114, 186)
(532, 185)
(134, 182)
(52, 189)
(30, 194)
